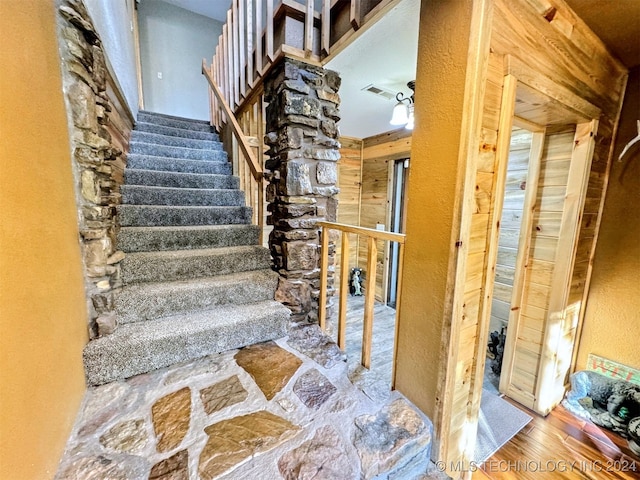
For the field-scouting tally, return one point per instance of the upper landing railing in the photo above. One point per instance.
(256, 35)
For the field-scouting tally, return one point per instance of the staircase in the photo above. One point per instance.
(195, 279)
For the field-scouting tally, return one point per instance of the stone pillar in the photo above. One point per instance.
(302, 135)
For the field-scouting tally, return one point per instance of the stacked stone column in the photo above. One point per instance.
(96, 160)
(302, 135)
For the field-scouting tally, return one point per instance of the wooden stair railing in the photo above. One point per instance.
(259, 32)
(372, 236)
(252, 162)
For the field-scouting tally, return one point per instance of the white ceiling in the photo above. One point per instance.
(385, 56)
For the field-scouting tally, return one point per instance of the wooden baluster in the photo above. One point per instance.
(224, 64)
(308, 29)
(216, 77)
(355, 14)
(249, 14)
(398, 305)
(324, 267)
(220, 66)
(325, 27)
(270, 30)
(236, 54)
(229, 60)
(241, 48)
(261, 210)
(259, 37)
(369, 299)
(212, 108)
(344, 291)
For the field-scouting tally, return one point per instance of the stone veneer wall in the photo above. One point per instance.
(84, 76)
(302, 135)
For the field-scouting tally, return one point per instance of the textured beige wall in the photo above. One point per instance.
(42, 310)
(433, 209)
(612, 320)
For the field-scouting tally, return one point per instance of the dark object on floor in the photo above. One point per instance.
(355, 282)
(607, 402)
(633, 429)
(496, 349)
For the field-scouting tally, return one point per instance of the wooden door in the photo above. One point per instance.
(541, 328)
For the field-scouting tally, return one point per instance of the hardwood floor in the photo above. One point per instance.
(561, 446)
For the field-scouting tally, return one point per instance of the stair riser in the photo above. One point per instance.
(133, 194)
(143, 162)
(149, 216)
(177, 152)
(140, 239)
(166, 269)
(172, 141)
(138, 305)
(106, 359)
(176, 132)
(171, 122)
(180, 180)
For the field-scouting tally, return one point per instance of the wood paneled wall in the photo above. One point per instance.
(349, 182)
(120, 124)
(378, 156)
(510, 227)
(364, 172)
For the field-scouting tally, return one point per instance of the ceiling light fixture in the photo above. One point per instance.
(403, 113)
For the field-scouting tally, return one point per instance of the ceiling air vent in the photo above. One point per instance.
(379, 91)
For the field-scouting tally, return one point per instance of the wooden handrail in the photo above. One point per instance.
(372, 253)
(369, 232)
(254, 166)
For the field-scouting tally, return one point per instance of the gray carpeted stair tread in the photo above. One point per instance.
(145, 239)
(148, 195)
(184, 153)
(141, 347)
(176, 131)
(177, 122)
(148, 301)
(161, 215)
(173, 117)
(167, 164)
(173, 141)
(160, 178)
(184, 264)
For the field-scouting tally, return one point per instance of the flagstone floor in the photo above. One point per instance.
(296, 408)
